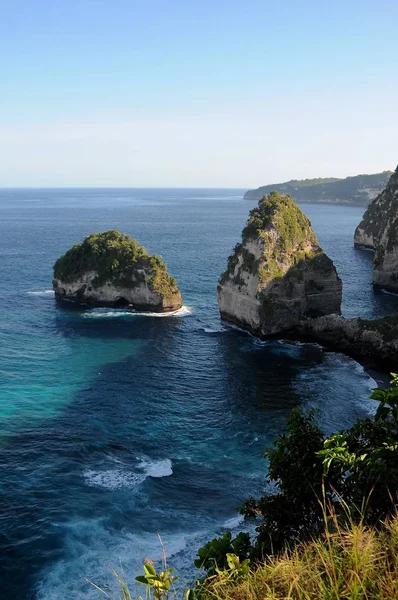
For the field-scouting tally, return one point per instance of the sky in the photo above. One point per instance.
(188, 93)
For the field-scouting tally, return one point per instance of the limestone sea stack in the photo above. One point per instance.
(278, 274)
(112, 269)
(379, 230)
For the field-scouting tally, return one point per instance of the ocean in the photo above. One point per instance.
(116, 427)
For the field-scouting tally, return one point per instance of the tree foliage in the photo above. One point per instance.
(353, 472)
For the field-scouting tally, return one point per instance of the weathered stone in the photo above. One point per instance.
(375, 341)
(111, 269)
(379, 230)
(278, 274)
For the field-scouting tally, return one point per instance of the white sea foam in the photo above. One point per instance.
(254, 440)
(212, 330)
(156, 468)
(41, 293)
(389, 293)
(101, 313)
(112, 479)
(92, 547)
(234, 522)
(122, 478)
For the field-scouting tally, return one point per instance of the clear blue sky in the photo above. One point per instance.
(195, 93)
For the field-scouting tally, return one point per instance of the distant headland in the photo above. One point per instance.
(360, 189)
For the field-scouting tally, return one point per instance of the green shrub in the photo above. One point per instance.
(114, 256)
(354, 472)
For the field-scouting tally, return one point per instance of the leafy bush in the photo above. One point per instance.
(214, 555)
(354, 472)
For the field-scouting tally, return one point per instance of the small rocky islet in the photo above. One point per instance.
(110, 269)
(278, 274)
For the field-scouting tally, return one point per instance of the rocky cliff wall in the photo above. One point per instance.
(379, 230)
(375, 341)
(278, 274)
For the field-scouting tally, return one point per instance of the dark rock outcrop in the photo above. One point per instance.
(379, 230)
(374, 341)
(278, 274)
(112, 269)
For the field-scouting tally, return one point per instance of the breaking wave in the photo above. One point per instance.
(112, 313)
(41, 293)
(118, 479)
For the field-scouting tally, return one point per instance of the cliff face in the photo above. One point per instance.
(375, 340)
(360, 189)
(379, 230)
(278, 274)
(111, 269)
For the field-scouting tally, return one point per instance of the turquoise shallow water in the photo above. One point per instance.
(116, 427)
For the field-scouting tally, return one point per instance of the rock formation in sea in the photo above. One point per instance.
(112, 269)
(360, 189)
(375, 341)
(379, 230)
(278, 274)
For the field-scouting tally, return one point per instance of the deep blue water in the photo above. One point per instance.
(116, 427)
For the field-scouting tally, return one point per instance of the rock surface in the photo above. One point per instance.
(278, 274)
(111, 269)
(360, 189)
(379, 230)
(376, 339)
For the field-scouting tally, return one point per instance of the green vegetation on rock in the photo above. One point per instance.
(286, 233)
(277, 273)
(279, 210)
(113, 256)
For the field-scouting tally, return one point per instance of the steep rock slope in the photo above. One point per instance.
(360, 189)
(112, 269)
(278, 274)
(373, 340)
(379, 230)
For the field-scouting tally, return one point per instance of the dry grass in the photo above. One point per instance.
(351, 564)
(354, 563)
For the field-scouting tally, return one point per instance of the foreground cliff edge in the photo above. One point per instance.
(379, 230)
(278, 274)
(111, 269)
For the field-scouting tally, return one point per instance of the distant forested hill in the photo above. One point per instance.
(360, 189)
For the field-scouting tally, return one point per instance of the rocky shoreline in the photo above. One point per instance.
(374, 342)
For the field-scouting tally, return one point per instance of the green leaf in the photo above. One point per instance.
(150, 570)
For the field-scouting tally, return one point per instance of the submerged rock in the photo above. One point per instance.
(112, 269)
(278, 274)
(379, 230)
